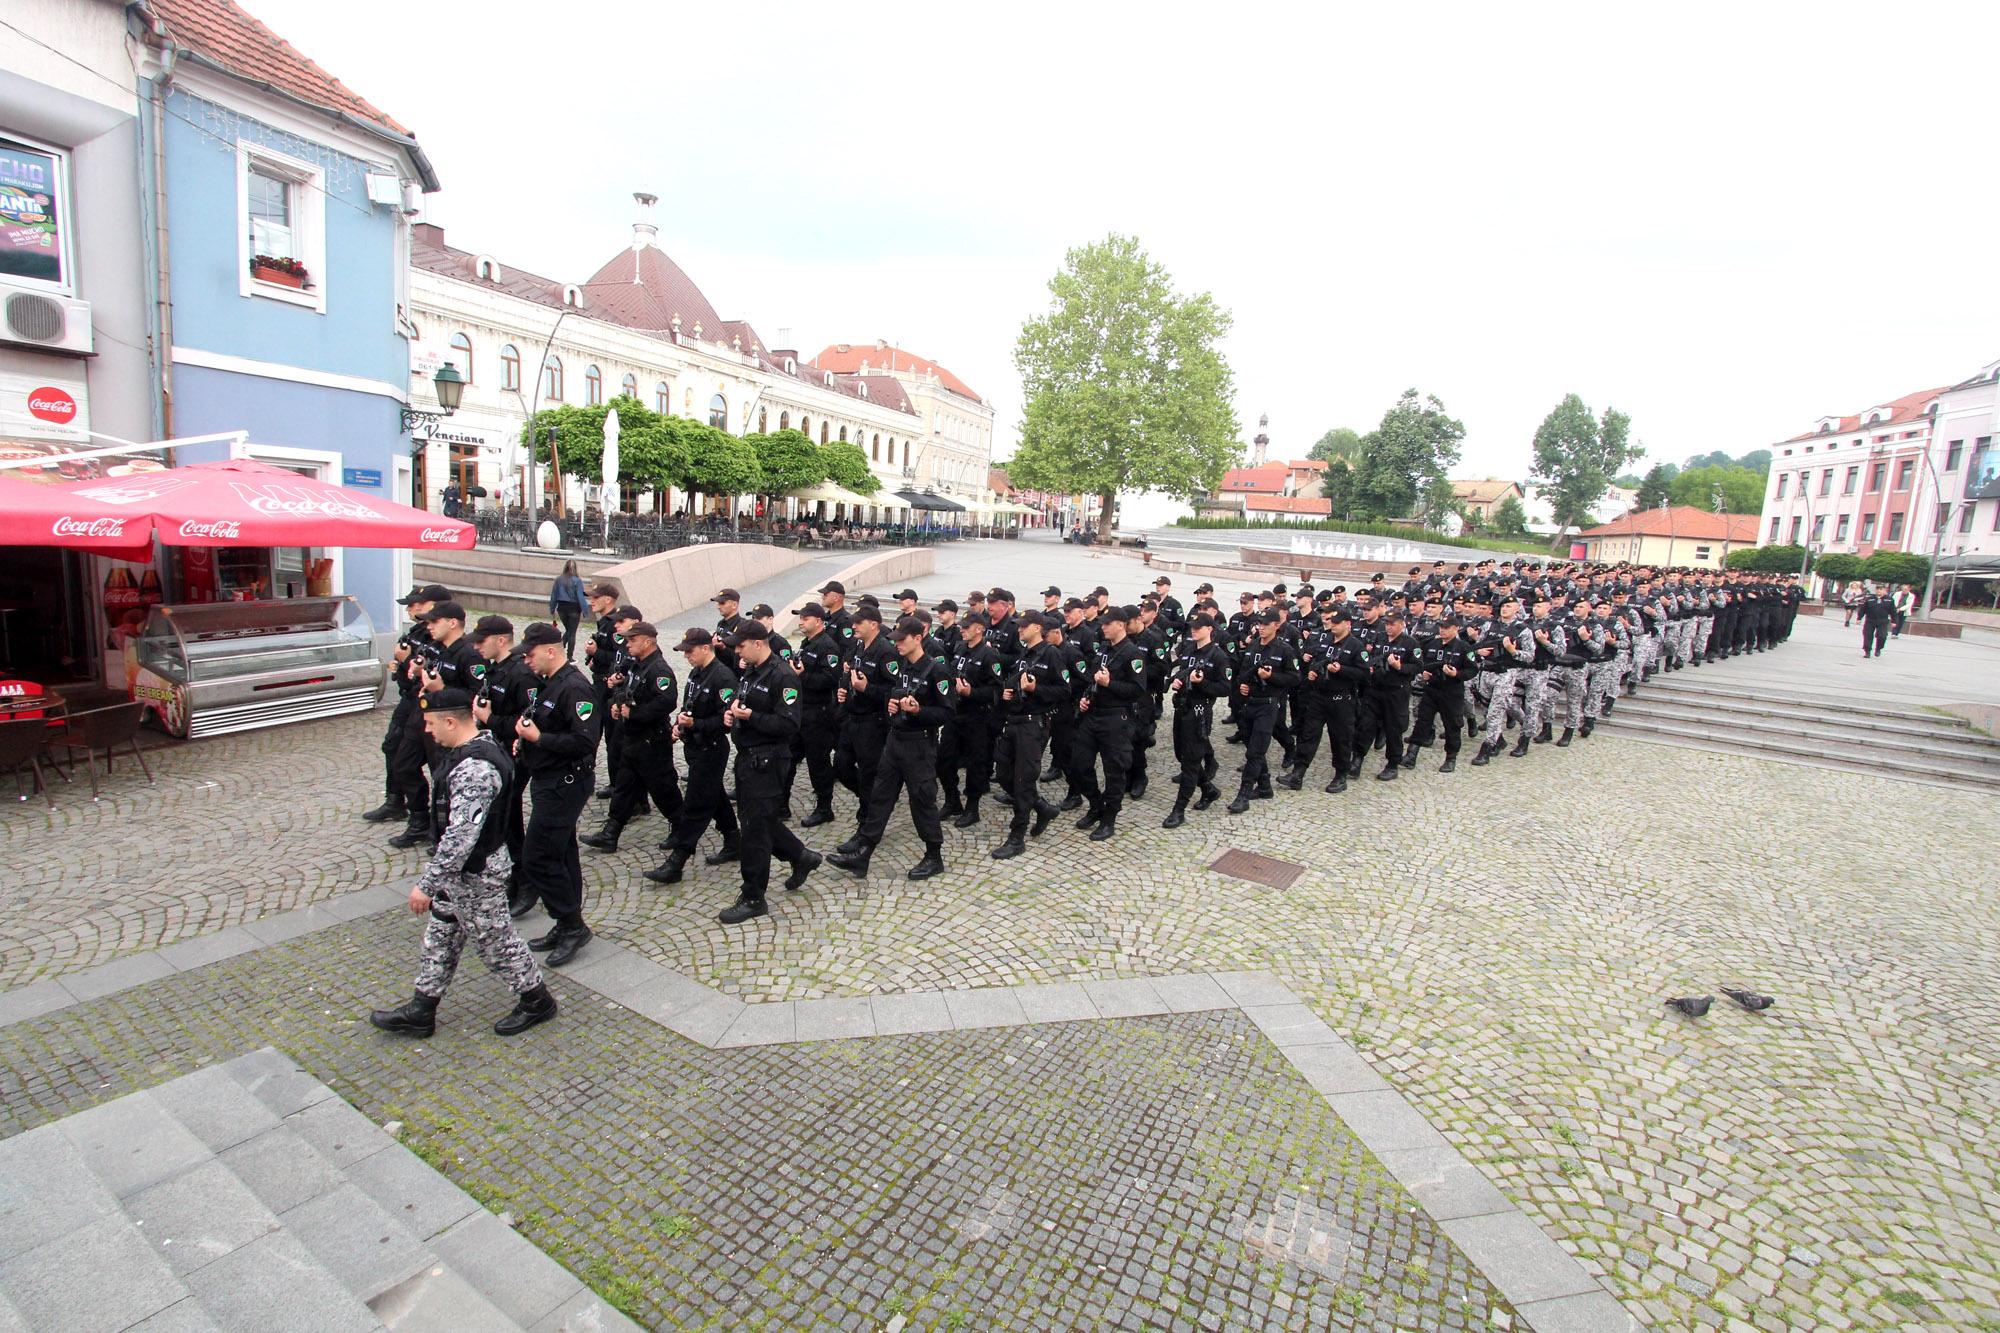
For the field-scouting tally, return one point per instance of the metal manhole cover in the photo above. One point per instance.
(1256, 868)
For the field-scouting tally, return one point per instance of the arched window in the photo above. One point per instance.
(718, 412)
(843, 432)
(663, 398)
(906, 452)
(630, 387)
(875, 454)
(687, 402)
(510, 367)
(822, 433)
(552, 379)
(593, 387)
(784, 421)
(462, 344)
(761, 418)
(876, 448)
(806, 427)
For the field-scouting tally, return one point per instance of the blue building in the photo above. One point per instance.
(282, 262)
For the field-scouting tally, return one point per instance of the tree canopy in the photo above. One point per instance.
(1767, 559)
(1124, 385)
(1656, 488)
(1742, 490)
(1576, 455)
(845, 465)
(1415, 446)
(1338, 443)
(786, 461)
(1509, 518)
(1757, 460)
(1338, 488)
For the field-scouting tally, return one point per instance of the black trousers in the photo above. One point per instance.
(1310, 705)
(908, 764)
(763, 780)
(1391, 711)
(1448, 703)
(516, 797)
(708, 763)
(647, 772)
(570, 614)
(1104, 733)
(549, 861)
(1364, 728)
(1145, 733)
(966, 742)
(1874, 636)
(399, 719)
(1194, 750)
(1282, 729)
(1063, 730)
(409, 770)
(1260, 718)
(1017, 764)
(819, 733)
(862, 736)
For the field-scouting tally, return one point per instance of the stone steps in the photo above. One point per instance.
(1848, 749)
(1887, 727)
(1703, 690)
(1966, 747)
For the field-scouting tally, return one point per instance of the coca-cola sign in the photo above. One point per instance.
(438, 536)
(53, 405)
(221, 529)
(88, 527)
(278, 500)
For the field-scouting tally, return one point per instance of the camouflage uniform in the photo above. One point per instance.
(1707, 602)
(1514, 641)
(472, 902)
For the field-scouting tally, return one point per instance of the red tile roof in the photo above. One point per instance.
(1910, 407)
(1679, 521)
(1307, 465)
(643, 289)
(1288, 504)
(846, 358)
(223, 33)
(1269, 479)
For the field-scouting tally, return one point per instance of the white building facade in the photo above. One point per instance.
(1968, 427)
(640, 327)
(955, 447)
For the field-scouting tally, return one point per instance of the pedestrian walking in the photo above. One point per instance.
(567, 600)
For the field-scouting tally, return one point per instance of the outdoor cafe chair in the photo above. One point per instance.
(106, 729)
(22, 745)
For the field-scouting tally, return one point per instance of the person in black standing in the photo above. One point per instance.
(1064, 721)
(402, 752)
(1116, 684)
(728, 616)
(558, 746)
(1145, 630)
(1199, 677)
(1030, 699)
(1388, 696)
(818, 662)
(1270, 672)
(644, 696)
(871, 667)
(1878, 613)
(600, 653)
(763, 719)
(507, 692)
(920, 700)
(1445, 664)
(449, 662)
(702, 729)
(966, 741)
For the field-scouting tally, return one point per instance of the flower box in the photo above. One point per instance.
(280, 272)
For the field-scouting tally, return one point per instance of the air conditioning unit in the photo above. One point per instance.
(43, 320)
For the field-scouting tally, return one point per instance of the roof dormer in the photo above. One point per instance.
(572, 296)
(486, 268)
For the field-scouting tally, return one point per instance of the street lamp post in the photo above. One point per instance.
(1940, 521)
(449, 386)
(531, 493)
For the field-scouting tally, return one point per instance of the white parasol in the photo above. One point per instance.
(607, 499)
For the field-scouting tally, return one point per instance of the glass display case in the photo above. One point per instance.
(212, 667)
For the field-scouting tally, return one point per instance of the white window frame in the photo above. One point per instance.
(326, 461)
(308, 226)
(65, 224)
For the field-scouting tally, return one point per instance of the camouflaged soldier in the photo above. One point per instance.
(1507, 650)
(464, 886)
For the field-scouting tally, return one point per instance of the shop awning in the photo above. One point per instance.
(1973, 562)
(934, 503)
(239, 502)
(826, 492)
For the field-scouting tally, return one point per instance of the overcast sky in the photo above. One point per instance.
(1723, 220)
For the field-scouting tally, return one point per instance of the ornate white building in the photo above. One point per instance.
(639, 326)
(955, 448)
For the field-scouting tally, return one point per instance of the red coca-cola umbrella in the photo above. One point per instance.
(38, 514)
(239, 502)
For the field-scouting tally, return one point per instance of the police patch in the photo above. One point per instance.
(663, 683)
(1138, 664)
(478, 670)
(584, 709)
(944, 686)
(791, 695)
(726, 695)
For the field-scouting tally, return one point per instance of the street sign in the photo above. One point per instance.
(361, 476)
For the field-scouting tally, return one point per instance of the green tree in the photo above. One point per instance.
(1896, 567)
(1630, 481)
(1767, 559)
(719, 464)
(1124, 384)
(1838, 567)
(1742, 490)
(1338, 488)
(652, 453)
(1757, 460)
(786, 461)
(1656, 488)
(1576, 455)
(1415, 445)
(1715, 459)
(1338, 443)
(847, 467)
(1509, 518)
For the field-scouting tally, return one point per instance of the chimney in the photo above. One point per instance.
(428, 233)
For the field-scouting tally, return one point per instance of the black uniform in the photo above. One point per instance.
(818, 664)
(705, 743)
(1194, 711)
(1147, 710)
(1442, 695)
(606, 643)
(1330, 699)
(1877, 611)
(560, 766)
(771, 692)
(1388, 696)
(402, 753)
(1261, 695)
(909, 758)
(460, 667)
(1106, 726)
(864, 722)
(967, 739)
(1027, 719)
(510, 689)
(646, 768)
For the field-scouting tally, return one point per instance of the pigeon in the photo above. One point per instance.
(1693, 1006)
(1749, 999)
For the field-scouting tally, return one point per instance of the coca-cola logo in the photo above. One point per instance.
(438, 536)
(300, 502)
(222, 529)
(90, 527)
(53, 405)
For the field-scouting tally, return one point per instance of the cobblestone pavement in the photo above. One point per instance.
(1169, 1173)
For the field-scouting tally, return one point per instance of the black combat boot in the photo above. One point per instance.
(1354, 767)
(547, 940)
(1589, 725)
(1450, 761)
(1136, 788)
(1410, 755)
(391, 808)
(1263, 792)
(745, 908)
(971, 815)
(1472, 728)
(822, 813)
(1210, 794)
(1569, 734)
(1090, 816)
(1178, 815)
(418, 1018)
(1050, 774)
(669, 870)
(1044, 812)
(570, 945)
(521, 898)
(950, 807)
(1071, 802)
(1485, 754)
(855, 862)
(530, 1008)
(1010, 848)
(1291, 780)
(1546, 734)
(932, 864)
(1609, 702)
(416, 833)
(1241, 802)
(1520, 747)
(606, 792)
(1338, 785)
(724, 854)
(606, 838)
(852, 845)
(1107, 827)
(808, 862)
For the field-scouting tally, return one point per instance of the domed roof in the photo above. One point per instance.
(643, 288)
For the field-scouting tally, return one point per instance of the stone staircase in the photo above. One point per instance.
(1845, 732)
(506, 580)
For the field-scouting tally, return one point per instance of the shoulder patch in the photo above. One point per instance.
(478, 670)
(727, 695)
(664, 682)
(791, 695)
(584, 709)
(944, 687)
(1138, 664)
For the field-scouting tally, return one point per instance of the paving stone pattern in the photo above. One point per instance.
(1168, 1172)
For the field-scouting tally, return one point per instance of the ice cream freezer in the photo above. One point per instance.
(208, 668)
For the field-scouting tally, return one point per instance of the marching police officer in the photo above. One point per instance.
(1199, 677)
(558, 747)
(507, 692)
(1270, 672)
(763, 719)
(1117, 684)
(702, 729)
(1446, 663)
(920, 700)
(966, 741)
(1036, 693)
(402, 746)
(871, 667)
(1388, 696)
(449, 661)
(644, 695)
(819, 663)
